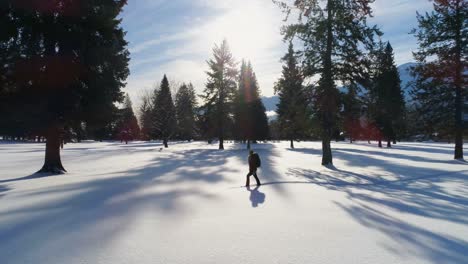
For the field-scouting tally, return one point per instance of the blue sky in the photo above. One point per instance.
(175, 37)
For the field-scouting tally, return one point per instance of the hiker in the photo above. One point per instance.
(254, 163)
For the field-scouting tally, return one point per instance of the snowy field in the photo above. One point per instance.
(137, 204)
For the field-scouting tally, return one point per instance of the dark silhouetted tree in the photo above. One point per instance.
(352, 112)
(293, 114)
(220, 91)
(164, 114)
(128, 128)
(390, 104)
(335, 36)
(442, 70)
(250, 120)
(70, 63)
(146, 110)
(186, 106)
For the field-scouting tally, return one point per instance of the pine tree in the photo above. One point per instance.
(71, 64)
(442, 70)
(220, 90)
(146, 109)
(336, 36)
(128, 128)
(292, 107)
(242, 121)
(390, 104)
(164, 114)
(352, 112)
(186, 105)
(251, 122)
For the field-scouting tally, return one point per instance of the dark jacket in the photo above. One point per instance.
(252, 165)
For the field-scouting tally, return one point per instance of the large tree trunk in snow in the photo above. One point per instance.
(165, 143)
(292, 143)
(329, 99)
(248, 144)
(389, 143)
(327, 158)
(53, 163)
(459, 96)
(221, 143)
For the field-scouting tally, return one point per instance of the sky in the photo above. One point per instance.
(176, 37)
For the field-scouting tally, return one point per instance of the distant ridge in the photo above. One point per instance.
(405, 76)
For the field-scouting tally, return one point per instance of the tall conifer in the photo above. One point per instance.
(186, 105)
(292, 107)
(442, 70)
(220, 91)
(164, 115)
(336, 37)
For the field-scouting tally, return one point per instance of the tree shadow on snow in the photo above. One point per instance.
(412, 191)
(3, 190)
(165, 184)
(389, 153)
(36, 175)
(159, 186)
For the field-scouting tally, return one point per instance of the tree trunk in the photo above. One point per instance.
(380, 143)
(328, 100)
(458, 125)
(165, 143)
(327, 158)
(292, 144)
(53, 163)
(394, 141)
(459, 96)
(248, 144)
(389, 143)
(221, 143)
(79, 136)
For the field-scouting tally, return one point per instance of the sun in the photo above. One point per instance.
(248, 30)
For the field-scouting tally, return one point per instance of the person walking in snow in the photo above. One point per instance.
(254, 163)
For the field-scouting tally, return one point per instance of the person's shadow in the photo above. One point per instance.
(256, 197)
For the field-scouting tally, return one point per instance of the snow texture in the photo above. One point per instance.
(138, 203)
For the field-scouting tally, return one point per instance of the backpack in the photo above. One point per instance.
(257, 161)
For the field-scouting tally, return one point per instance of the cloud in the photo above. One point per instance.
(177, 37)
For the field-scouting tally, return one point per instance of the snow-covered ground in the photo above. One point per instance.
(137, 204)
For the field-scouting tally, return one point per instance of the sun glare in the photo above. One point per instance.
(247, 29)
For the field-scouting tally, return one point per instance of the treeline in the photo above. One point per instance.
(63, 67)
(340, 49)
(231, 107)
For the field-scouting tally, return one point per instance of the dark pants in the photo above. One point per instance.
(254, 173)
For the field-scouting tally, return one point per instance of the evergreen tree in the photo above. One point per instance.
(128, 128)
(352, 112)
(146, 110)
(336, 36)
(292, 107)
(442, 70)
(390, 104)
(251, 122)
(186, 105)
(220, 90)
(70, 63)
(164, 114)
(242, 121)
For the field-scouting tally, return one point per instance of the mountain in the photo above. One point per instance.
(270, 102)
(405, 76)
